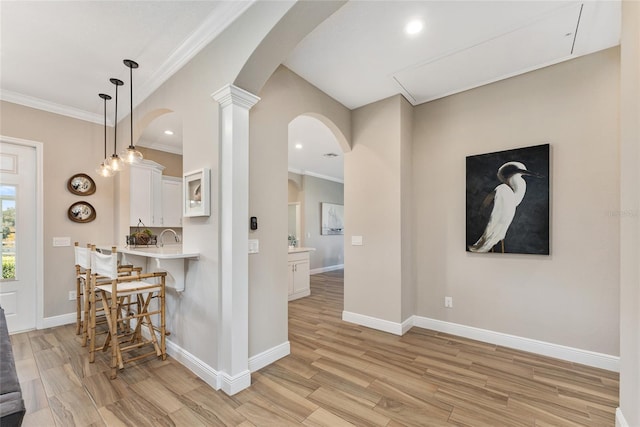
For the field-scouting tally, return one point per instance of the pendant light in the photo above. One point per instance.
(104, 170)
(115, 162)
(130, 154)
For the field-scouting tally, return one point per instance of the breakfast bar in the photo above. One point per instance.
(169, 258)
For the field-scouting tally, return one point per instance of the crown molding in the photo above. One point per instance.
(211, 27)
(52, 107)
(216, 23)
(316, 175)
(161, 147)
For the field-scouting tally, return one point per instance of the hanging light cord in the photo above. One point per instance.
(131, 64)
(131, 97)
(115, 127)
(105, 124)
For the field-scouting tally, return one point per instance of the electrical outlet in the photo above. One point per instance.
(448, 302)
(72, 295)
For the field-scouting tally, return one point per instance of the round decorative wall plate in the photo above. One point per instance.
(81, 184)
(81, 212)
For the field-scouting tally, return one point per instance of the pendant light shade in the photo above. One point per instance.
(115, 162)
(104, 169)
(130, 154)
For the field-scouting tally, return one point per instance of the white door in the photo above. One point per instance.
(19, 208)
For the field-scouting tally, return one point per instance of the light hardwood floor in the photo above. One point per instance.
(338, 374)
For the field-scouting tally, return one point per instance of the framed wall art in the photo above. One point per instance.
(507, 201)
(81, 184)
(196, 193)
(81, 212)
(332, 219)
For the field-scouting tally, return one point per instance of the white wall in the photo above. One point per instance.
(193, 316)
(372, 193)
(70, 146)
(284, 97)
(572, 296)
(630, 215)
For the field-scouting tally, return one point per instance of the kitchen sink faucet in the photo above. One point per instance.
(175, 236)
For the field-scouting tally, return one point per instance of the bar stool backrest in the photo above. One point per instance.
(83, 258)
(105, 264)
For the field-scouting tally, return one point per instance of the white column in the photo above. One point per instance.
(234, 235)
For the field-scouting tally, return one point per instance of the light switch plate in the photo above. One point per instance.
(254, 246)
(356, 240)
(62, 241)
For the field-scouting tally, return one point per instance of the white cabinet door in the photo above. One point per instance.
(299, 275)
(290, 277)
(145, 196)
(171, 201)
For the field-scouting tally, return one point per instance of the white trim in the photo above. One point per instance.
(38, 146)
(51, 107)
(195, 365)
(620, 419)
(205, 372)
(53, 321)
(218, 20)
(160, 147)
(269, 356)
(585, 357)
(233, 196)
(407, 325)
(232, 385)
(374, 323)
(325, 269)
(316, 175)
(300, 294)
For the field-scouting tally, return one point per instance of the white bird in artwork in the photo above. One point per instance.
(505, 197)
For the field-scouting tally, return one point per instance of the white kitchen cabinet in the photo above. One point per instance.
(298, 275)
(145, 194)
(171, 201)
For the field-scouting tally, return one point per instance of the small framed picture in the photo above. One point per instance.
(196, 193)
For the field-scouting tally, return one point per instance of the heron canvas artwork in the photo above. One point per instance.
(508, 201)
(332, 219)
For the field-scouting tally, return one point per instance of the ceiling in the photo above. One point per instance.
(58, 55)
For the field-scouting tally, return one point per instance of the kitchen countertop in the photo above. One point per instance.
(302, 249)
(161, 252)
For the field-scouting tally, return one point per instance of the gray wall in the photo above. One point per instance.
(572, 296)
(284, 97)
(329, 249)
(372, 170)
(70, 146)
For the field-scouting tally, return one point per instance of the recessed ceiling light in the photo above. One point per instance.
(414, 27)
(299, 146)
(168, 132)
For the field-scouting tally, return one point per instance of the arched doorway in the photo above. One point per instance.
(316, 188)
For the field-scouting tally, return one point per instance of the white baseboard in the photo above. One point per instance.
(63, 319)
(375, 323)
(299, 294)
(267, 357)
(325, 269)
(576, 355)
(195, 365)
(217, 380)
(232, 385)
(620, 420)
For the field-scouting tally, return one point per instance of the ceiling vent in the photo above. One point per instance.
(330, 155)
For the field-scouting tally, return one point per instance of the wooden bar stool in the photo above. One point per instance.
(130, 322)
(83, 265)
(88, 314)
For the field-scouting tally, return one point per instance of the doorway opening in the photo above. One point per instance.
(315, 201)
